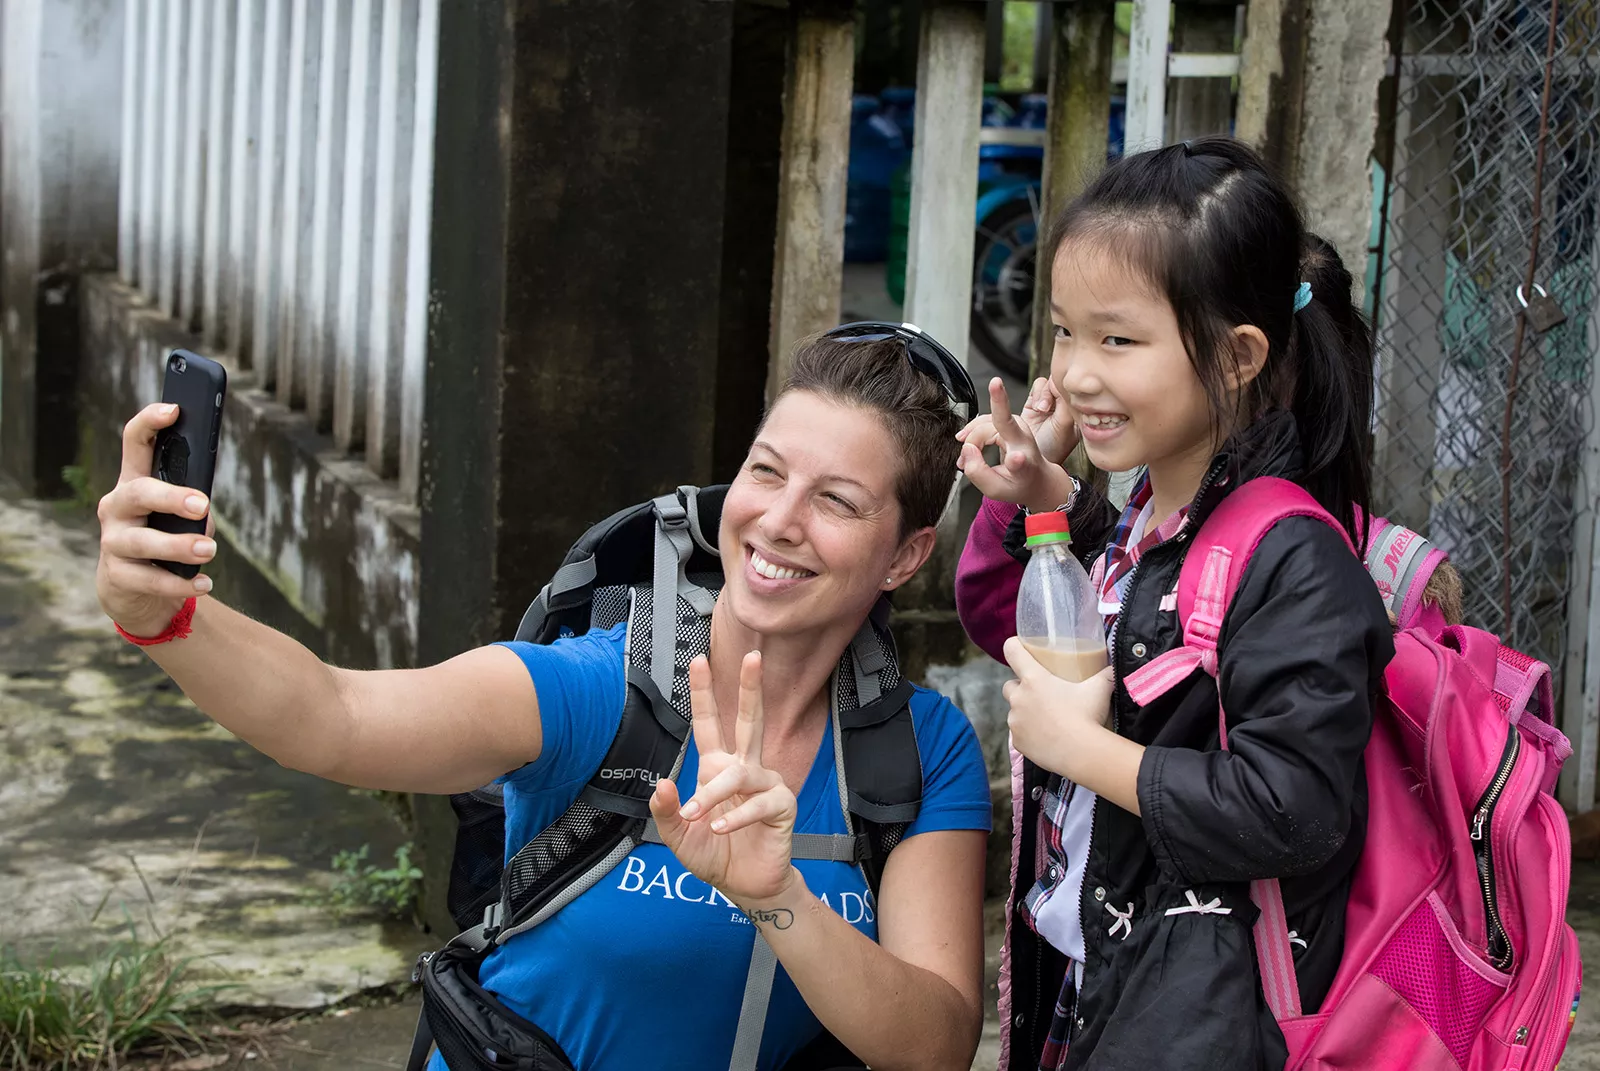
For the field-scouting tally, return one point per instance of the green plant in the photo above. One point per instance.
(131, 998)
(76, 477)
(359, 885)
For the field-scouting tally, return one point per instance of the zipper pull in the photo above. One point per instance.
(1477, 823)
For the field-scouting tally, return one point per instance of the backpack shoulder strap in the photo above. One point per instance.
(1212, 572)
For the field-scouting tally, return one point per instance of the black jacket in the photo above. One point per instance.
(1302, 655)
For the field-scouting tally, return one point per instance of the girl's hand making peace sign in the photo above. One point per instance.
(737, 831)
(1032, 448)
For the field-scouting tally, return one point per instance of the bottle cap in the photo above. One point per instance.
(1045, 528)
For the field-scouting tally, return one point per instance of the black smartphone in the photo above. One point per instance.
(186, 452)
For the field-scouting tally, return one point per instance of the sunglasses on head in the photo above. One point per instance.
(924, 354)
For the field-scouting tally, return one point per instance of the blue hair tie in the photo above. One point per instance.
(1302, 297)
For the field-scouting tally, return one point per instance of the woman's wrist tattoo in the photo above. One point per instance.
(781, 918)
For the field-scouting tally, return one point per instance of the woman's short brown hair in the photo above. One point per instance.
(913, 405)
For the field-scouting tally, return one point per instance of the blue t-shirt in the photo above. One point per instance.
(647, 968)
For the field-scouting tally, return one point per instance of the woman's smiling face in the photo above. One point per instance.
(811, 527)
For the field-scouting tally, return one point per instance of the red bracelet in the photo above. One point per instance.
(179, 627)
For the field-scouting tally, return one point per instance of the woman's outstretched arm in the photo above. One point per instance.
(449, 727)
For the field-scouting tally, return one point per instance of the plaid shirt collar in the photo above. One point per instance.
(1114, 568)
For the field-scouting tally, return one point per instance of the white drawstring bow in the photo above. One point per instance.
(1124, 921)
(1195, 907)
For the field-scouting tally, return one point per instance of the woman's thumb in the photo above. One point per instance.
(664, 806)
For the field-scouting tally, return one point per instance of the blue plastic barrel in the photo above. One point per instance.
(877, 148)
(900, 108)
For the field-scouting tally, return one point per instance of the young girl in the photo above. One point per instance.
(1203, 337)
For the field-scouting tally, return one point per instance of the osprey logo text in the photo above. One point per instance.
(649, 777)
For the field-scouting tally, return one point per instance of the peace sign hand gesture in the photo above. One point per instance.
(737, 831)
(1032, 448)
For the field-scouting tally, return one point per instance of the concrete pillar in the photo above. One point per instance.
(60, 148)
(575, 333)
(1319, 139)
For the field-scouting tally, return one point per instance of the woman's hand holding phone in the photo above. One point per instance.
(135, 593)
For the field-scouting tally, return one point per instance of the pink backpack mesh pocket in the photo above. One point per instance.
(1429, 972)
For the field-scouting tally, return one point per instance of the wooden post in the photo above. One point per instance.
(1148, 42)
(539, 389)
(808, 270)
(944, 172)
(1081, 47)
(1197, 107)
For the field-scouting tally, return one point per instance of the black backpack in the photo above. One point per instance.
(655, 566)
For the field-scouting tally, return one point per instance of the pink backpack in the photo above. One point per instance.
(1457, 951)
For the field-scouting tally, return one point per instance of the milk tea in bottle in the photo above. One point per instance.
(1058, 619)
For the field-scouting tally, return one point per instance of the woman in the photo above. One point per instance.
(835, 505)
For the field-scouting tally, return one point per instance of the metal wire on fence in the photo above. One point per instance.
(1453, 249)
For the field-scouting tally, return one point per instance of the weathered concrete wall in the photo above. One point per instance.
(1308, 98)
(60, 144)
(313, 543)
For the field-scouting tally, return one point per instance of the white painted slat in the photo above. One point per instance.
(1580, 701)
(128, 174)
(173, 115)
(1203, 65)
(944, 173)
(391, 210)
(149, 152)
(299, 156)
(316, 340)
(1147, 74)
(242, 176)
(419, 233)
(216, 281)
(269, 165)
(355, 259)
(191, 195)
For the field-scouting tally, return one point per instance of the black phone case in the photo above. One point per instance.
(186, 452)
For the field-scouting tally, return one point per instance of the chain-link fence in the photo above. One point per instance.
(1453, 247)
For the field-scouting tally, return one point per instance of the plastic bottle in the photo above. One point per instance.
(1058, 616)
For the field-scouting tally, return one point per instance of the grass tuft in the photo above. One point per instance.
(132, 998)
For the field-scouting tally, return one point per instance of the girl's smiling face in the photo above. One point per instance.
(1120, 362)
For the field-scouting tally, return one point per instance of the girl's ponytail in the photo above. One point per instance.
(1332, 352)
